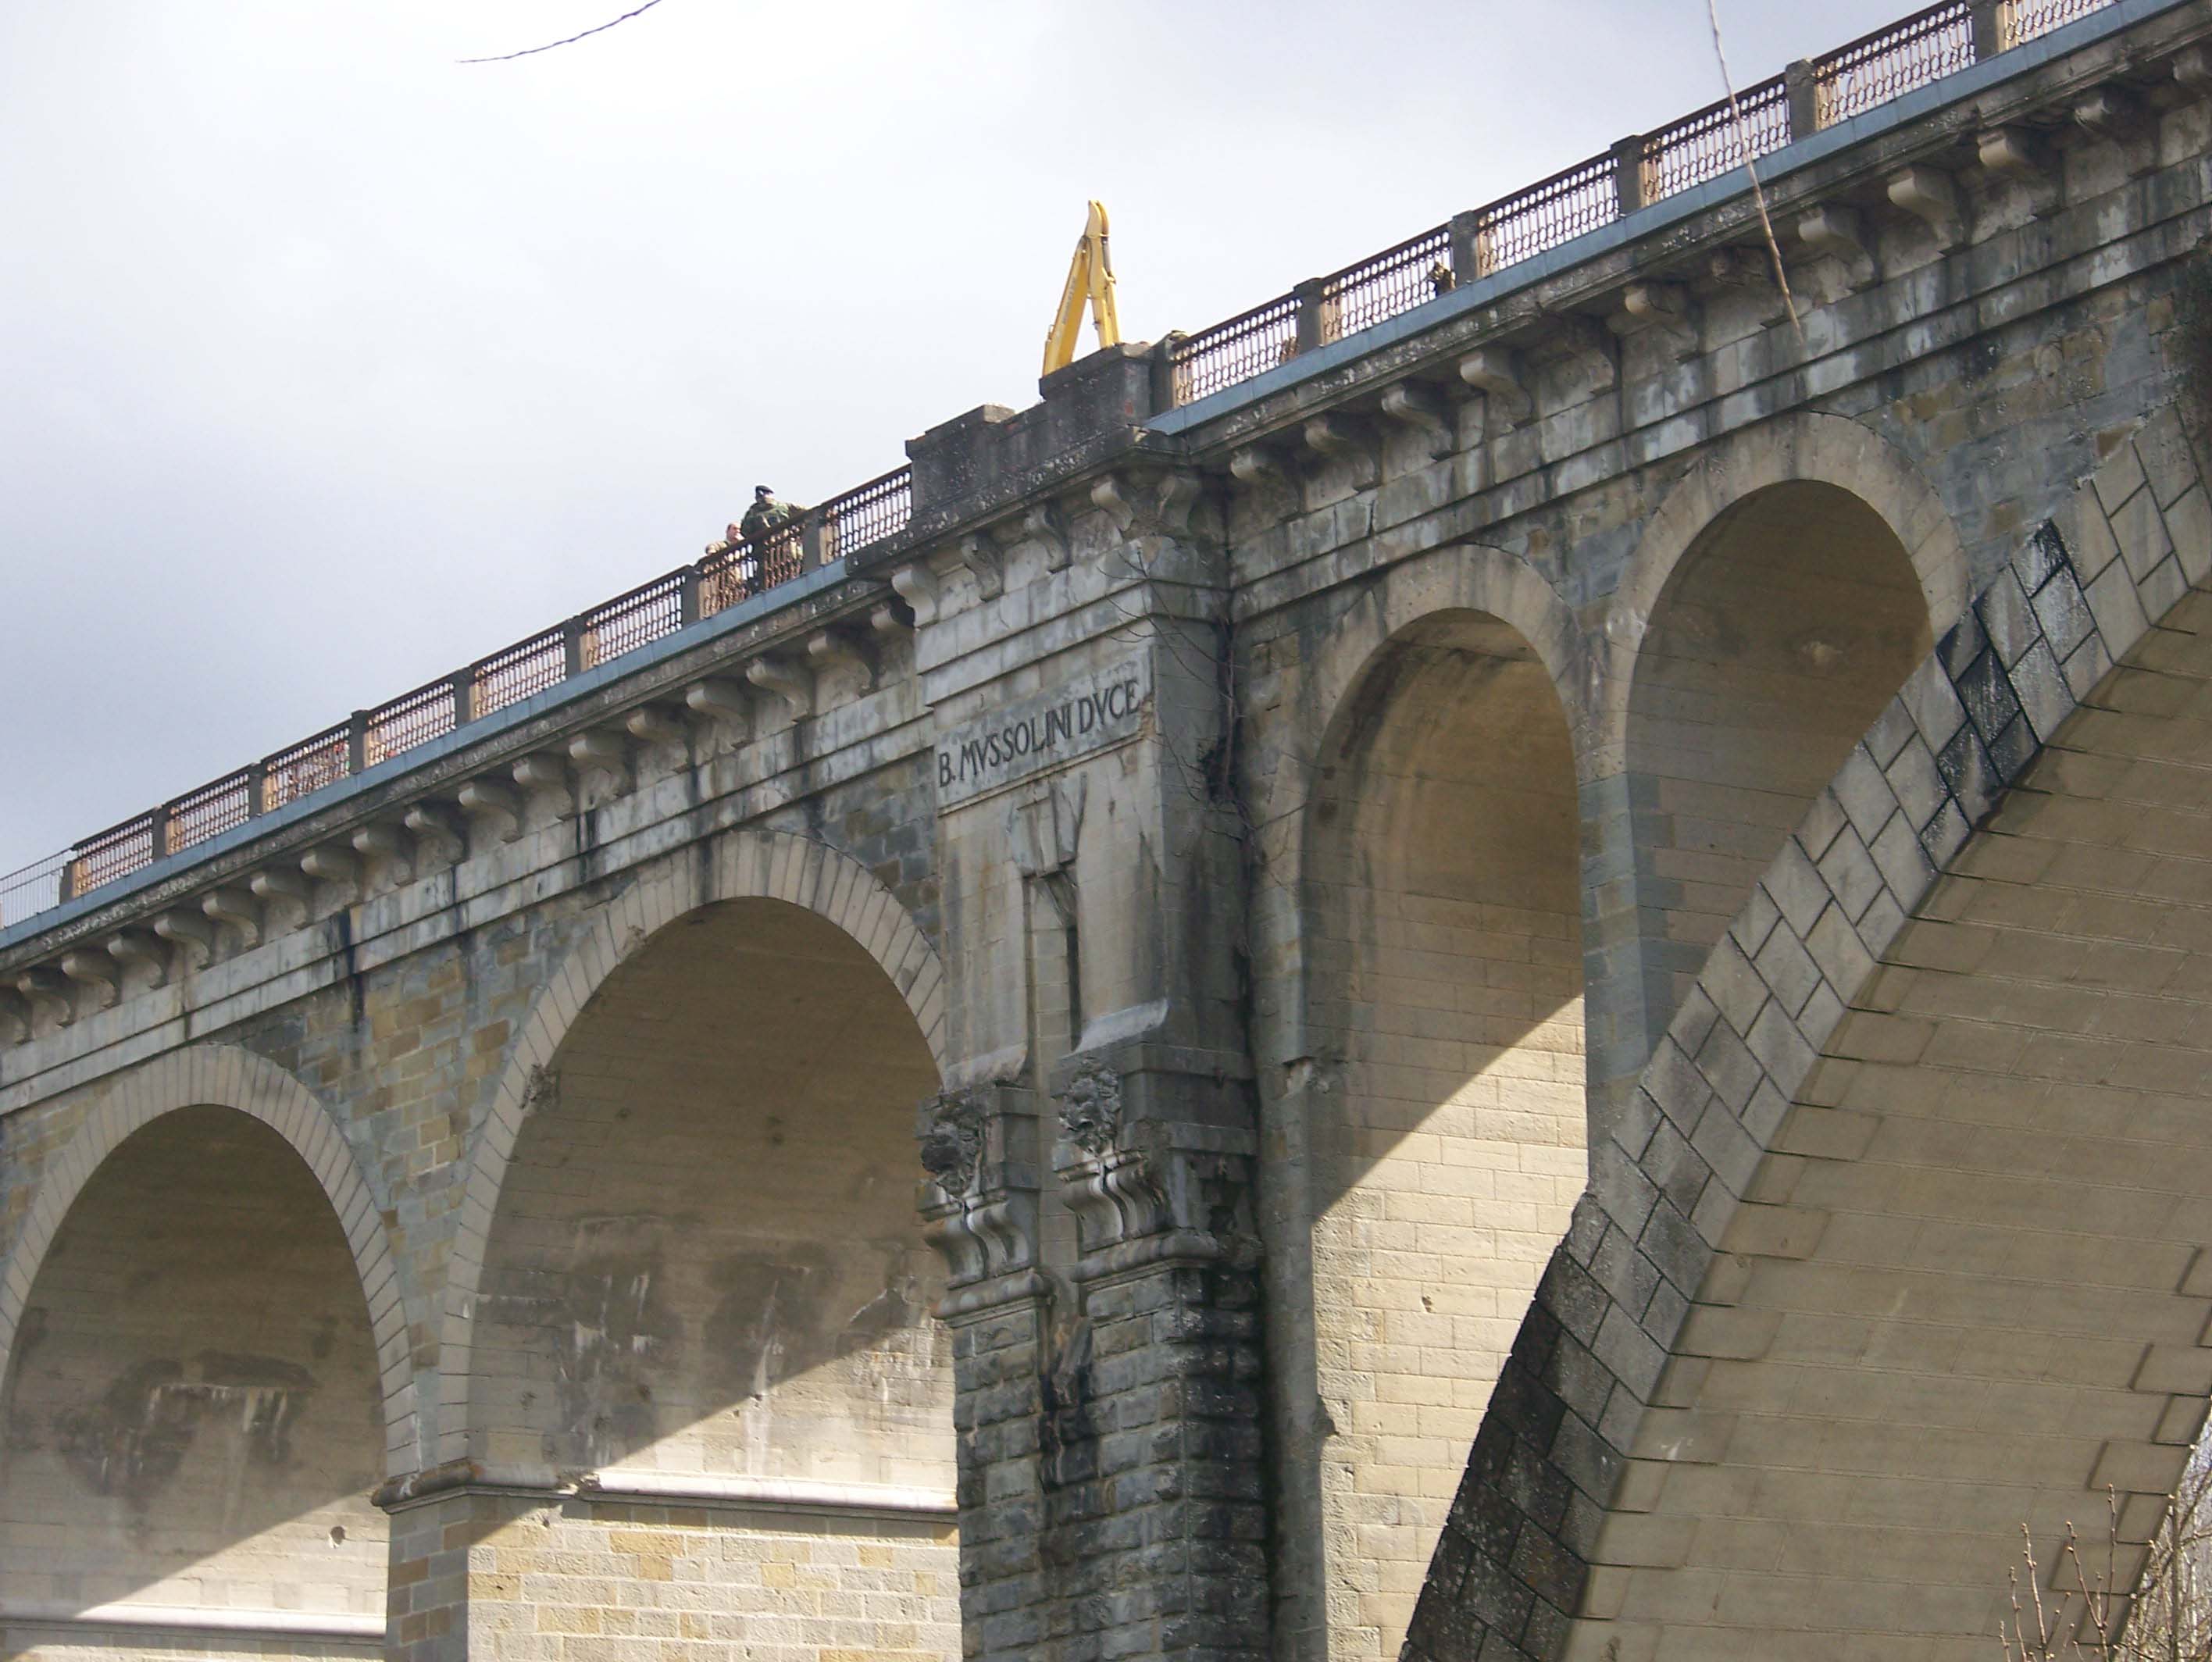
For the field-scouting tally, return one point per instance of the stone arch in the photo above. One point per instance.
(229, 1076)
(1436, 1120)
(1465, 578)
(1800, 447)
(1656, 1293)
(1778, 598)
(743, 865)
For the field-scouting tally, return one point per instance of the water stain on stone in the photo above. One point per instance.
(130, 1442)
(614, 1330)
(780, 1312)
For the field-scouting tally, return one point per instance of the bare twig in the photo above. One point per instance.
(1751, 166)
(532, 52)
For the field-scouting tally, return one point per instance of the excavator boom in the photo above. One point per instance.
(1090, 281)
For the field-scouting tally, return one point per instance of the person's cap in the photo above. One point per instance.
(763, 490)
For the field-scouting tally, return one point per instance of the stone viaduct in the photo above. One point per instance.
(1550, 943)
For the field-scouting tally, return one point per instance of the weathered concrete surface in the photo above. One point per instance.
(1360, 879)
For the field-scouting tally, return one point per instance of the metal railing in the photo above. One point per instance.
(1593, 194)
(1245, 346)
(1890, 62)
(1706, 145)
(1715, 141)
(726, 575)
(2034, 17)
(1560, 210)
(1396, 279)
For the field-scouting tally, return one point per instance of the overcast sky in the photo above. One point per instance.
(328, 364)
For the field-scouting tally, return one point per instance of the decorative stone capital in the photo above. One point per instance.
(1090, 1104)
(980, 1194)
(1155, 1147)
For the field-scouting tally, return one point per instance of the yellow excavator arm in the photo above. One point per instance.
(1090, 279)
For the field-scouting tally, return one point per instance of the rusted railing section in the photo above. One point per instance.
(1593, 194)
(726, 575)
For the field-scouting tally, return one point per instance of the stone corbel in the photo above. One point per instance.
(438, 832)
(97, 971)
(1589, 347)
(279, 890)
(2017, 154)
(135, 948)
(2110, 113)
(2192, 71)
(649, 724)
(1339, 438)
(14, 1019)
(984, 561)
(494, 803)
(890, 619)
(331, 864)
(546, 774)
(1496, 373)
(604, 754)
(1258, 468)
(1751, 274)
(916, 585)
(1663, 309)
(1110, 499)
(724, 704)
(47, 989)
(1929, 195)
(1836, 231)
(194, 936)
(1413, 405)
(978, 1145)
(831, 650)
(1044, 525)
(1177, 498)
(658, 726)
(237, 909)
(389, 845)
(785, 681)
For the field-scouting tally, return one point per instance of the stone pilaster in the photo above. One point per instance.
(978, 1145)
(1154, 1461)
(427, 1600)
